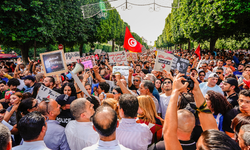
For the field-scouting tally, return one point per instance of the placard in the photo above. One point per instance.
(163, 61)
(118, 57)
(131, 56)
(180, 64)
(53, 63)
(87, 64)
(98, 51)
(124, 70)
(46, 92)
(72, 57)
(85, 58)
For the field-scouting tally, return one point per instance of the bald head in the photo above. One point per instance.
(186, 120)
(105, 121)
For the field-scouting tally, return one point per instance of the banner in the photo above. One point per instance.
(163, 61)
(118, 57)
(53, 63)
(124, 70)
(131, 56)
(87, 64)
(85, 58)
(180, 64)
(72, 57)
(98, 51)
(46, 92)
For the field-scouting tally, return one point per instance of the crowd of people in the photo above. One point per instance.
(149, 109)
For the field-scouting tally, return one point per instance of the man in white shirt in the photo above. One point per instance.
(80, 132)
(165, 98)
(211, 84)
(32, 133)
(205, 68)
(220, 65)
(5, 136)
(105, 123)
(129, 133)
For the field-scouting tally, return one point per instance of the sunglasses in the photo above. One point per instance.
(201, 75)
(114, 93)
(2, 111)
(136, 80)
(167, 82)
(218, 72)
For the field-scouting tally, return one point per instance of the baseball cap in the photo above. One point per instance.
(29, 77)
(232, 81)
(65, 99)
(213, 75)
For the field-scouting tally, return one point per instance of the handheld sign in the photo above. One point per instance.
(72, 57)
(53, 63)
(124, 70)
(163, 61)
(88, 64)
(118, 57)
(98, 51)
(131, 56)
(180, 64)
(45, 92)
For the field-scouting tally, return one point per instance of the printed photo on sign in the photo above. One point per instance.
(118, 57)
(180, 64)
(53, 62)
(163, 61)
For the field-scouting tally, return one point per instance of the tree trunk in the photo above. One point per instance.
(189, 45)
(80, 49)
(25, 53)
(175, 47)
(212, 43)
(113, 45)
(180, 46)
(35, 50)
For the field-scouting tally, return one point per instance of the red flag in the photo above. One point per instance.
(130, 43)
(198, 51)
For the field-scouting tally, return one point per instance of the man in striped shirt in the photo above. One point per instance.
(129, 133)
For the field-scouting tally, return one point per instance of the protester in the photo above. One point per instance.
(5, 136)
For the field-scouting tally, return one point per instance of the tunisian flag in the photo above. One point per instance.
(198, 51)
(130, 43)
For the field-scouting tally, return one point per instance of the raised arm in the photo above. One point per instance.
(97, 75)
(34, 68)
(171, 120)
(206, 119)
(107, 64)
(121, 85)
(130, 77)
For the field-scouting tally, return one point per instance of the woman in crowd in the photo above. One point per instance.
(15, 100)
(158, 85)
(147, 114)
(240, 120)
(112, 103)
(218, 105)
(117, 93)
(69, 89)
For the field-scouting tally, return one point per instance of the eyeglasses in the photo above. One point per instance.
(167, 82)
(245, 101)
(2, 111)
(114, 93)
(46, 100)
(218, 72)
(136, 80)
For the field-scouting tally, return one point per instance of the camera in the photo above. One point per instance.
(190, 82)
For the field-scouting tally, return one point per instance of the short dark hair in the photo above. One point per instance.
(2, 82)
(129, 104)
(148, 85)
(145, 62)
(77, 107)
(104, 86)
(228, 59)
(13, 82)
(247, 66)
(168, 79)
(215, 139)
(23, 107)
(219, 68)
(193, 69)
(202, 72)
(107, 127)
(245, 93)
(239, 121)
(118, 89)
(138, 65)
(5, 136)
(51, 79)
(94, 101)
(30, 126)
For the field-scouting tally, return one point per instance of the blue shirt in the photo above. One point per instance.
(55, 137)
(156, 94)
(204, 88)
(237, 74)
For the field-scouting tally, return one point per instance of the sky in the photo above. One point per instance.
(146, 23)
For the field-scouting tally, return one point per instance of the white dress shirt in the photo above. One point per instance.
(164, 101)
(133, 135)
(37, 145)
(80, 134)
(107, 145)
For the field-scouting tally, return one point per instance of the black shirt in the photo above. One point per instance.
(132, 87)
(227, 120)
(232, 99)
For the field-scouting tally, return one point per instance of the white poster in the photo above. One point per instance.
(124, 70)
(163, 61)
(118, 57)
(131, 56)
(45, 92)
(72, 57)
